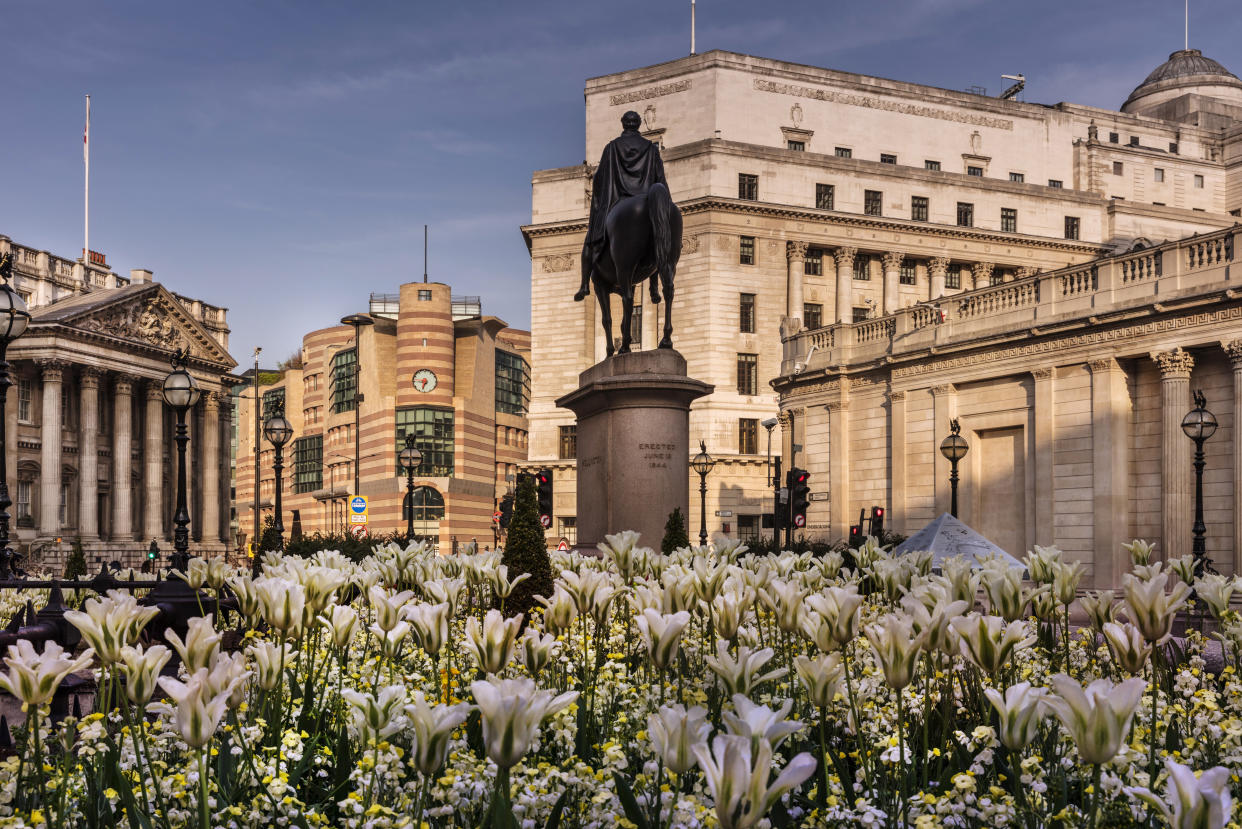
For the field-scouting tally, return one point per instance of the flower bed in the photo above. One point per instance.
(709, 687)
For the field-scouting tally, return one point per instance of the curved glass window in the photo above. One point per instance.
(433, 435)
(344, 380)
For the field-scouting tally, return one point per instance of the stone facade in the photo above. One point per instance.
(90, 450)
(470, 425)
(813, 197)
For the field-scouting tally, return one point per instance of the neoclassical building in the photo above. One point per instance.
(90, 450)
(818, 201)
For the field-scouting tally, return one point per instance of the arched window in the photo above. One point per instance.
(428, 504)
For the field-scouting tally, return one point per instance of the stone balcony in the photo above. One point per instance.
(1173, 276)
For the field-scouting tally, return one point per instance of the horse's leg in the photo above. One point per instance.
(605, 314)
(655, 288)
(627, 315)
(667, 278)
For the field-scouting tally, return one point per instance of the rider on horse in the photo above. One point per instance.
(629, 166)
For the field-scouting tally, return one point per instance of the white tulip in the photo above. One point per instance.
(512, 711)
(988, 642)
(1129, 648)
(1150, 608)
(559, 611)
(759, 723)
(197, 712)
(111, 623)
(1215, 591)
(1191, 802)
(1098, 716)
(430, 623)
(34, 677)
(740, 675)
(897, 647)
(1021, 710)
(270, 658)
(822, 677)
(140, 669)
(389, 606)
(535, 650)
(1140, 551)
(737, 775)
(376, 717)
(432, 727)
(662, 634)
(492, 644)
(201, 644)
(284, 604)
(674, 732)
(785, 599)
(839, 608)
(342, 623)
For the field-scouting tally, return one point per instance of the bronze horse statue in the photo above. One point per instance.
(643, 241)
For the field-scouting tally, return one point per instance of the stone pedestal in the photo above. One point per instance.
(633, 444)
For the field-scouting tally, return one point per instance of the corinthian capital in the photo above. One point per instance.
(795, 251)
(1175, 363)
(938, 266)
(1233, 348)
(982, 273)
(845, 257)
(892, 260)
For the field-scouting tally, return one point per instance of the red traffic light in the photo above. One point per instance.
(801, 476)
(879, 512)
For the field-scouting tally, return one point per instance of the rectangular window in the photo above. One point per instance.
(567, 442)
(873, 203)
(965, 214)
(860, 315)
(24, 491)
(1158, 174)
(908, 275)
(748, 527)
(813, 315)
(1199, 182)
(1134, 140)
(1113, 138)
(813, 264)
(424, 295)
(512, 383)
(862, 268)
(888, 158)
(24, 390)
(1071, 227)
(746, 255)
(747, 436)
(1056, 183)
(748, 374)
(568, 525)
(1009, 220)
(953, 277)
(344, 380)
(747, 186)
(797, 146)
(432, 429)
(273, 399)
(919, 208)
(824, 196)
(974, 171)
(1018, 177)
(1118, 168)
(308, 463)
(1173, 147)
(746, 314)
(931, 165)
(843, 152)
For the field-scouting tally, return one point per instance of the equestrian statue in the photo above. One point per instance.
(634, 231)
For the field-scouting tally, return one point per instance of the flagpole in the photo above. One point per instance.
(86, 210)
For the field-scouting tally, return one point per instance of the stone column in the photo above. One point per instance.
(51, 439)
(122, 438)
(945, 409)
(1045, 453)
(899, 520)
(153, 464)
(88, 456)
(795, 253)
(211, 467)
(1176, 474)
(981, 274)
(845, 286)
(191, 468)
(892, 279)
(839, 462)
(936, 269)
(1234, 349)
(1110, 467)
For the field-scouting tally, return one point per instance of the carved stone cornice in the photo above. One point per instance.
(1175, 364)
(1042, 373)
(944, 390)
(1105, 364)
(845, 257)
(795, 251)
(892, 260)
(1233, 349)
(938, 266)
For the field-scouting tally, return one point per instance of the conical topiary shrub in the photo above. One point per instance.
(526, 551)
(675, 532)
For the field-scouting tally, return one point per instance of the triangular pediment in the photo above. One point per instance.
(147, 315)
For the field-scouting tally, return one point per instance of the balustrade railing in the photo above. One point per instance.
(1082, 281)
(996, 300)
(1138, 268)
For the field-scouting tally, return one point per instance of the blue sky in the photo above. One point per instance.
(280, 158)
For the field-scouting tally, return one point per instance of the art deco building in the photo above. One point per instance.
(90, 450)
(431, 365)
(821, 204)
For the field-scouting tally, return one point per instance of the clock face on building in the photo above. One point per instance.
(424, 379)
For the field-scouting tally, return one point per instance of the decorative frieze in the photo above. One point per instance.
(657, 91)
(558, 263)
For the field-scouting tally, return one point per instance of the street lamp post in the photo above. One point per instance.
(357, 321)
(703, 464)
(181, 393)
(1199, 425)
(770, 424)
(14, 318)
(411, 457)
(278, 430)
(954, 448)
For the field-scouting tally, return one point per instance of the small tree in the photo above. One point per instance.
(76, 565)
(675, 535)
(270, 539)
(526, 551)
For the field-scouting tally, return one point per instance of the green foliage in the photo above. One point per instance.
(76, 565)
(269, 539)
(352, 548)
(526, 551)
(675, 535)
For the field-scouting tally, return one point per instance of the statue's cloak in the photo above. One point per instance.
(629, 165)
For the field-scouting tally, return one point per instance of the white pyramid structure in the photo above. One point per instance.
(947, 537)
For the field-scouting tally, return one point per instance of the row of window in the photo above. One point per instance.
(1114, 138)
(1119, 169)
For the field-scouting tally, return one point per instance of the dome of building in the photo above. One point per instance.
(1186, 71)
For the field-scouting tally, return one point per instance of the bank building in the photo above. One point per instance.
(90, 452)
(868, 259)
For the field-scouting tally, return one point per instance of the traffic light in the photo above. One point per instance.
(506, 511)
(799, 496)
(543, 486)
(856, 536)
(877, 521)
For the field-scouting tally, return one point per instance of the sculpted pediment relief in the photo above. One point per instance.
(152, 321)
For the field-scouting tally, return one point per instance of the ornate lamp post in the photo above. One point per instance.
(358, 321)
(14, 318)
(410, 458)
(703, 464)
(277, 429)
(954, 448)
(181, 393)
(1199, 424)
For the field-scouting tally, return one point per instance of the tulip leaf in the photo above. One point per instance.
(629, 803)
(554, 819)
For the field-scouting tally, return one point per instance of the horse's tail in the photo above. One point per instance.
(660, 207)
